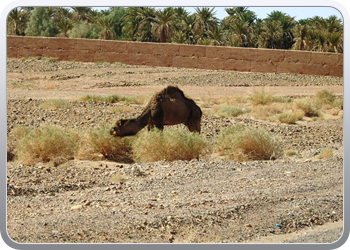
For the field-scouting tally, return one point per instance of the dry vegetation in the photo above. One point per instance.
(49, 143)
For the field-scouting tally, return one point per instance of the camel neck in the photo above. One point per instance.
(142, 119)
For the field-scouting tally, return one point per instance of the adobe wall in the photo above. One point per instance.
(178, 55)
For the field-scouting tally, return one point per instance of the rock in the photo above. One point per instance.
(76, 207)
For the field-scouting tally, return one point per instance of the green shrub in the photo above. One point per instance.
(46, 143)
(173, 143)
(241, 143)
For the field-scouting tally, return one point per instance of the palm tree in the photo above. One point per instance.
(17, 20)
(271, 36)
(64, 25)
(301, 37)
(164, 24)
(187, 27)
(287, 23)
(82, 13)
(239, 26)
(107, 23)
(205, 19)
(216, 35)
(330, 33)
(138, 23)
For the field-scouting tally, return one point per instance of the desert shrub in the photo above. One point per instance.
(324, 97)
(290, 117)
(231, 111)
(268, 112)
(99, 98)
(55, 104)
(241, 143)
(173, 143)
(100, 142)
(46, 143)
(309, 108)
(263, 98)
(16, 134)
(112, 99)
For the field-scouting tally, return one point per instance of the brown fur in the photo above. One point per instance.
(167, 107)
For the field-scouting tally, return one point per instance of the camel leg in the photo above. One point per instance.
(194, 126)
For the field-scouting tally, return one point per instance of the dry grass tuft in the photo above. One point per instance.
(230, 111)
(52, 104)
(45, 144)
(263, 98)
(173, 143)
(290, 117)
(308, 106)
(326, 153)
(241, 143)
(99, 98)
(99, 143)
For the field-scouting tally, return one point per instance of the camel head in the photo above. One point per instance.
(125, 127)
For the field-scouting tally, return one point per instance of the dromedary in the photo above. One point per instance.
(168, 107)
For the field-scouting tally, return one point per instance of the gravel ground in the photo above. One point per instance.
(206, 200)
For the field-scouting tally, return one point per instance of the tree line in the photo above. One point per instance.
(240, 28)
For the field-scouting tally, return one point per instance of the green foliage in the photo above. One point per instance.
(83, 29)
(173, 143)
(241, 28)
(41, 23)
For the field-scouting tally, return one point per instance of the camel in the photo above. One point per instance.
(167, 107)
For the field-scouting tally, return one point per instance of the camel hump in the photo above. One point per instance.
(172, 92)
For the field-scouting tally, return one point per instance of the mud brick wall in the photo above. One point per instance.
(178, 55)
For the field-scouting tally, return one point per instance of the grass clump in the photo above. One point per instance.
(52, 104)
(263, 98)
(99, 98)
(309, 108)
(241, 144)
(46, 143)
(112, 99)
(290, 117)
(231, 111)
(99, 143)
(324, 97)
(173, 143)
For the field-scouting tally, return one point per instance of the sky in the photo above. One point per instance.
(297, 12)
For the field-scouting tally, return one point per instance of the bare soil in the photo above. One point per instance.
(294, 199)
